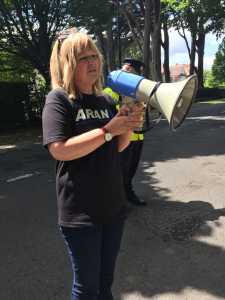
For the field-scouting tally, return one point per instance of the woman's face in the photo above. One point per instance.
(87, 70)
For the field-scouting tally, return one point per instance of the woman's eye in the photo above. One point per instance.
(83, 58)
(89, 58)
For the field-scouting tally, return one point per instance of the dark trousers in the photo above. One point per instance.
(93, 251)
(130, 158)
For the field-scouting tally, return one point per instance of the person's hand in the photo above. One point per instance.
(118, 125)
(124, 110)
(127, 119)
(136, 115)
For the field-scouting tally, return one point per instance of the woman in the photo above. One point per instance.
(84, 133)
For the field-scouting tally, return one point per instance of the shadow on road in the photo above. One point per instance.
(164, 250)
(161, 254)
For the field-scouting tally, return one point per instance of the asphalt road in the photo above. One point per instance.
(173, 249)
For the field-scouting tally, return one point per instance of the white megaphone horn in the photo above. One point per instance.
(173, 100)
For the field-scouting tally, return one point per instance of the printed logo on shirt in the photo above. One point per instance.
(87, 114)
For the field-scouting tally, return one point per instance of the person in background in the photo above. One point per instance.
(85, 134)
(130, 157)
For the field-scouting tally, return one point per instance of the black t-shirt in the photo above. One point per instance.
(89, 189)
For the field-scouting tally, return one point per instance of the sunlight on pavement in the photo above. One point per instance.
(216, 118)
(19, 177)
(133, 296)
(182, 295)
(165, 296)
(4, 147)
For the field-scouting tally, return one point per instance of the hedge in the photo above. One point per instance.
(13, 97)
(210, 93)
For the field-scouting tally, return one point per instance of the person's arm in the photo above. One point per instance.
(57, 124)
(83, 144)
(77, 146)
(57, 131)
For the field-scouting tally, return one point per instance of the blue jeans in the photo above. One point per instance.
(93, 251)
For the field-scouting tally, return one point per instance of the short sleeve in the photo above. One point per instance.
(56, 118)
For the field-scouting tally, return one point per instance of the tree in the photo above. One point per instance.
(14, 68)
(143, 19)
(218, 68)
(153, 13)
(209, 80)
(97, 17)
(199, 18)
(104, 21)
(28, 28)
(165, 42)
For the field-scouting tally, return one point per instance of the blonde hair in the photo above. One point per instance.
(64, 58)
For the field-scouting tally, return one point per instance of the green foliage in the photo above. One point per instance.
(28, 28)
(218, 68)
(13, 96)
(209, 80)
(93, 15)
(37, 91)
(14, 68)
(195, 14)
(133, 51)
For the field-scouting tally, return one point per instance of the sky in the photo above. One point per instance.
(178, 50)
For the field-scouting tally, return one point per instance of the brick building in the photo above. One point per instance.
(179, 72)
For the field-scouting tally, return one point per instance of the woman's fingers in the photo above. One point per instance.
(126, 119)
(124, 110)
(134, 124)
(136, 116)
(138, 107)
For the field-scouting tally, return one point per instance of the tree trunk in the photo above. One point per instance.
(166, 44)
(147, 51)
(193, 54)
(102, 46)
(110, 50)
(156, 39)
(156, 55)
(201, 47)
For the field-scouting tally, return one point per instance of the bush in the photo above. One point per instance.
(13, 96)
(210, 94)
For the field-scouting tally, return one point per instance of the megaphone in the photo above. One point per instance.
(173, 100)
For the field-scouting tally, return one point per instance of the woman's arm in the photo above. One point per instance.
(78, 146)
(83, 144)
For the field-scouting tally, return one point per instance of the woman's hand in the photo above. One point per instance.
(127, 119)
(136, 114)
